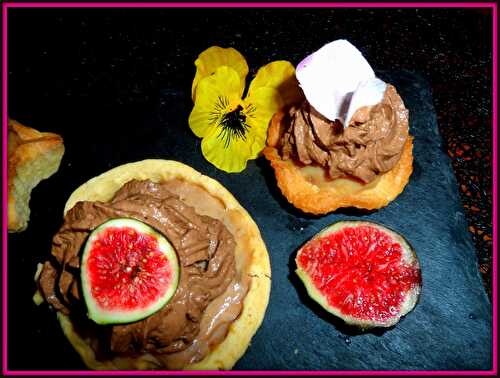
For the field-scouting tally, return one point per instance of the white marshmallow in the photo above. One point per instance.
(369, 92)
(330, 76)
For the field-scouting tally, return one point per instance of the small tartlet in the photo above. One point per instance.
(309, 188)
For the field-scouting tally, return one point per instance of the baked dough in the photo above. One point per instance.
(308, 188)
(33, 156)
(256, 262)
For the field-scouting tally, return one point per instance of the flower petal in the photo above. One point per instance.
(214, 57)
(259, 107)
(216, 94)
(231, 158)
(279, 75)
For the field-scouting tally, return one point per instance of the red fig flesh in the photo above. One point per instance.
(362, 272)
(128, 272)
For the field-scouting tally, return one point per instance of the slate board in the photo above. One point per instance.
(450, 327)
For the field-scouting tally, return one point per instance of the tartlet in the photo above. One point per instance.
(347, 144)
(308, 187)
(32, 157)
(209, 199)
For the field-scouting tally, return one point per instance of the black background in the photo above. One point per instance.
(115, 83)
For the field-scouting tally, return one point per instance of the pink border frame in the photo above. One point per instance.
(7, 5)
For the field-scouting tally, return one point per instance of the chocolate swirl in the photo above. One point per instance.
(206, 252)
(371, 145)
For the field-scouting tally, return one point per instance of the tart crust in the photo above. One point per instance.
(308, 188)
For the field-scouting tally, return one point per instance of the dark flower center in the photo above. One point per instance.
(233, 125)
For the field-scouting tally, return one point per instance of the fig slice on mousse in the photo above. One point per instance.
(128, 271)
(362, 272)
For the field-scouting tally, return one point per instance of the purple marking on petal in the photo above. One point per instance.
(304, 62)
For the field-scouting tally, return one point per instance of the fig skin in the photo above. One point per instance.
(409, 255)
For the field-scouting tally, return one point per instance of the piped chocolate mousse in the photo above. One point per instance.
(371, 144)
(210, 293)
(351, 122)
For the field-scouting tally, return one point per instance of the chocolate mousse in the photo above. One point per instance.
(371, 144)
(209, 285)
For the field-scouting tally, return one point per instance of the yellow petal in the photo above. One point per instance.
(279, 75)
(259, 107)
(230, 157)
(214, 57)
(216, 95)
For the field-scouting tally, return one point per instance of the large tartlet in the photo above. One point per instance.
(213, 203)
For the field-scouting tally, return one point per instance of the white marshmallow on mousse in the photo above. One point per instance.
(369, 92)
(337, 80)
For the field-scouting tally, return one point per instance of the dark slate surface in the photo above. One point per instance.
(445, 331)
(117, 88)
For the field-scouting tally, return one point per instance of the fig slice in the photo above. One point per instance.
(362, 272)
(128, 271)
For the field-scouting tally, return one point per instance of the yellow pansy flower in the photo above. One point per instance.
(233, 128)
